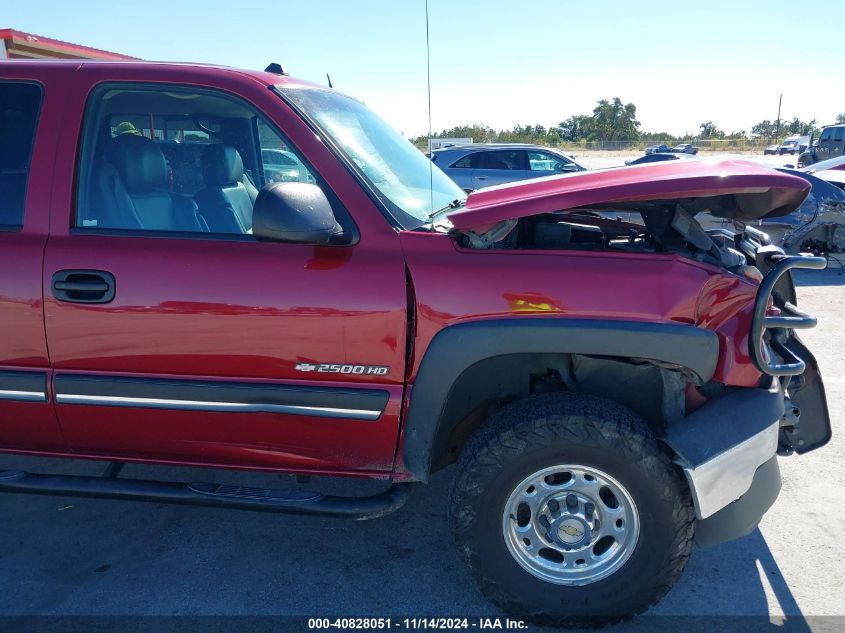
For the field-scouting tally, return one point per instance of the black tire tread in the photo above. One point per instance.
(565, 417)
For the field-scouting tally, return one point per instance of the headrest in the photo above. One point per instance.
(139, 161)
(221, 165)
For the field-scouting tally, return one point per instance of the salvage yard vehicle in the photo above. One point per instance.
(656, 158)
(685, 148)
(830, 144)
(611, 392)
(837, 163)
(281, 165)
(485, 164)
(816, 226)
(794, 144)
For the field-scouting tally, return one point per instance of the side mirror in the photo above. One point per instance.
(568, 167)
(295, 212)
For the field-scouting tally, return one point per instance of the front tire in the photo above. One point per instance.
(569, 513)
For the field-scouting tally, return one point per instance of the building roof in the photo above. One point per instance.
(19, 45)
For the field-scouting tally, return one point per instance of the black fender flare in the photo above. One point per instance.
(457, 347)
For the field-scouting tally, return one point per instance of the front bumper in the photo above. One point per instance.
(721, 445)
(743, 515)
(727, 448)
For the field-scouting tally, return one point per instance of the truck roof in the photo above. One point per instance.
(126, 67)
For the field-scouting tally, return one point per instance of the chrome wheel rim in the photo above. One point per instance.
(570, 525)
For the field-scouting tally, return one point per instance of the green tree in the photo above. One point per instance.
(575, 128)
(840, 118)
(615, 121)
(764, 129)
(802, 128)
(709, 130)
(478, 132)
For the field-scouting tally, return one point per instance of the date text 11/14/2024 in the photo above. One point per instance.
(444, 624)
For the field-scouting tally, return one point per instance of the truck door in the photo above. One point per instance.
(176, 336)
(500, 166)
(27, 418)
(838, 145)
(825, 142)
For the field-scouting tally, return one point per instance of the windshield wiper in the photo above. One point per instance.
(457, 202)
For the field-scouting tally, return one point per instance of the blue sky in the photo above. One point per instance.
(497, 62)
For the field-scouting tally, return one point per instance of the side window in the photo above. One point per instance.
(505, 159)
(826, 135)
(839, 134)
(543, 161)
(279, 163)
(470, 161)
(178, 160)
(19, 105)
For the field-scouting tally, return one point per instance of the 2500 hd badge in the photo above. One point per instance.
(337, 368)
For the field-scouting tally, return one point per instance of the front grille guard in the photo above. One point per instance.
(764, 349)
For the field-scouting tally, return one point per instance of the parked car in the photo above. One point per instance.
(686, 148)
(835, 164)
(485, 164)
(831, 170)
(834, 176)
(283, 166)
(793, 145)
(816, 226)
(830, 144)
(656, 158)
(772, 150)
(607, 405)
(658, 149)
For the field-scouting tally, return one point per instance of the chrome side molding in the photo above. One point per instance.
(23, 386)
(365, 404)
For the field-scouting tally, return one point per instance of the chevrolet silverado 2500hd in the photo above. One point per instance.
(612, 391)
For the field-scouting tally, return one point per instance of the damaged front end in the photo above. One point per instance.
(727, 443)
(727, 447)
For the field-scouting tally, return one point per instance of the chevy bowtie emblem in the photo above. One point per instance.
(571, 530)
(305, 367)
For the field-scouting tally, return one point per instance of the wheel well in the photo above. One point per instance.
(493, 360)
(654, 391)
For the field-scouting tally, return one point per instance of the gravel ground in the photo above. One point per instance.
(86, 557)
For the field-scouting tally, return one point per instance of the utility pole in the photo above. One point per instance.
(777, 131)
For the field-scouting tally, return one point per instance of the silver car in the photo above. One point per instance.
(284, 166)
(483, 165)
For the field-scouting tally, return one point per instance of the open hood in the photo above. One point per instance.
(731, 188)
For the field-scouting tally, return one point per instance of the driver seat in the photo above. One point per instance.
(133, 192)
(226, 201)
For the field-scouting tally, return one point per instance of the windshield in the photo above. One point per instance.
(411, 186)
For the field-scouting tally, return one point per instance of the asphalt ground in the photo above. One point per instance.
(62, 557)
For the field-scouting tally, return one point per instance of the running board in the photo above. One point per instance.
(291, 501)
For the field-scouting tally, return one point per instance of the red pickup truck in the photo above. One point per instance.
(205, 266)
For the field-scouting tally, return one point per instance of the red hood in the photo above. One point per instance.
(758, 191)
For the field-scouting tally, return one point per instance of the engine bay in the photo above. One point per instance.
(640, 227)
